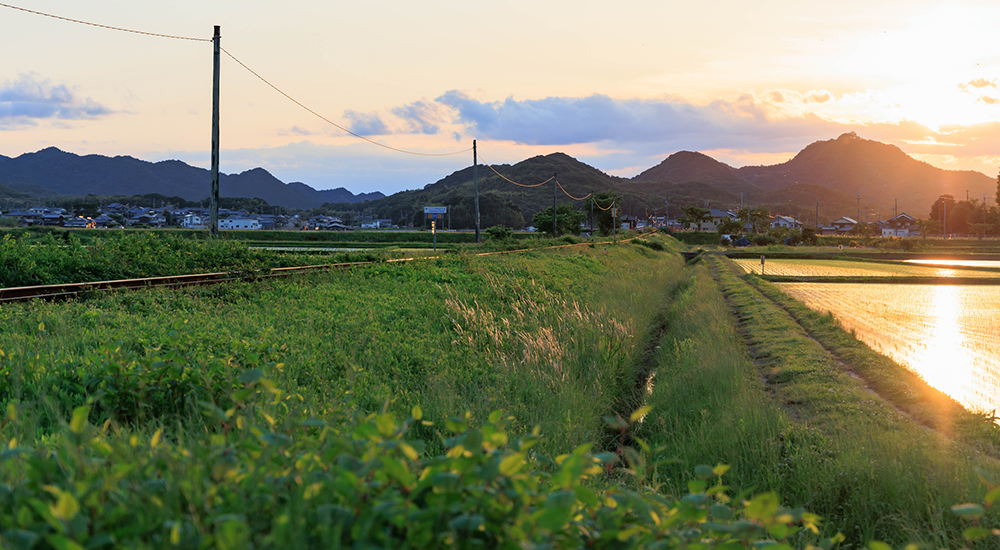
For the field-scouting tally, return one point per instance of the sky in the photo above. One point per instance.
(619, 86)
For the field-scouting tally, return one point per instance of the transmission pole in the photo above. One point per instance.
(555, 187)
(214, 204)
(475, 186)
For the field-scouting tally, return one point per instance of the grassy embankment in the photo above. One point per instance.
(367, 239)
(251, 412)
(270, 413)
(788, 416)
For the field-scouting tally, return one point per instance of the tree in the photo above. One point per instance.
(998, 190)
(568, 220)
(729, 226)
(809, 236)
(956, 214)
(753, 217)
(696, 214)
(604, 205)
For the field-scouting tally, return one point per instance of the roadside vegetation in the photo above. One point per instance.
(587, 396)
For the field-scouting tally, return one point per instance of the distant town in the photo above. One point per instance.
(117, 215)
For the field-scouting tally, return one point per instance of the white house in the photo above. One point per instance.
(786, 221)
(839, 227)
(239, 223)
(194, 221)
(903, 225)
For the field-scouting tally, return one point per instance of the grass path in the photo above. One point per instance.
(740, 379)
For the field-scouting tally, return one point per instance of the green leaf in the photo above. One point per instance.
(639, 413)
(386, 424)
(19, 539)
(512, 464)
(878, 545)
(720, 469)
(991, 496)
(968, 510)
(616, 422)
(975, 533)
(241, 395)
(704, 472)
(722, 512)
(66, 506)
(553, 519)
(232, 534)
(62, 543)
(79, 421)
(417, 413)
(586, 496)
(251, 376)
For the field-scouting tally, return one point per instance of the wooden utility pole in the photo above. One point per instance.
(555, 186)
(592, 213)
(475, 187)
(214, 204)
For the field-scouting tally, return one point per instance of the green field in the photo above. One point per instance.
(470, 401)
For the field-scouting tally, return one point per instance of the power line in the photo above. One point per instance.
(561, 188)
(601, 207)
(321, 117)
(487, 164)
(61, 18)
(105, 26)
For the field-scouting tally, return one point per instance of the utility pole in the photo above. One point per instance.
(592, 213)
(614, 223)
(555, 187)
(817, 215)
(859, 207)
(214, 204)
(475, 186)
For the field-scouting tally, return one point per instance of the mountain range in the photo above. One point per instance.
(52, 172)
(847, 176)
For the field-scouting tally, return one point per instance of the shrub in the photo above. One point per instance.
(499, 233)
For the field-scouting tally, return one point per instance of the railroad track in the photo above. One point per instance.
(71, 290)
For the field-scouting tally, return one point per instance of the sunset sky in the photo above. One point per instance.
(619, 86)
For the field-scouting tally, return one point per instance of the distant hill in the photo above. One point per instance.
(877, 171)
(67, 174)
(687, 166)
(834, 172)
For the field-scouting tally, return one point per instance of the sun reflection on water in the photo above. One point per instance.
(948, 334)
(943, 360)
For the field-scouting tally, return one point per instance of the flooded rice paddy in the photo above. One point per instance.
(847, 268)
(964, 263)
(949, 334)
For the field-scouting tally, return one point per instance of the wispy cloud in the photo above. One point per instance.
(421, 117)
(365, 124)
(295, 131)
(30, 98)
(979, 87)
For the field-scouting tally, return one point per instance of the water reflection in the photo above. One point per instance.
(949, 335)
(942, 361)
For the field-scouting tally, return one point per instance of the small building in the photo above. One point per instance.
(239, 223)
(194, 221)
(903, 225)
(841, 226)
(787, 222)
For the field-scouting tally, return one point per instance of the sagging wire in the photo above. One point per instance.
(561, 188)
(487, 164)
(601, 207)
(323, 118)
(109, 27)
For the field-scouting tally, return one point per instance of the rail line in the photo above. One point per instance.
(71, 290)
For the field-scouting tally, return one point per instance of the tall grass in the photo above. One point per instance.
(789, 417)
